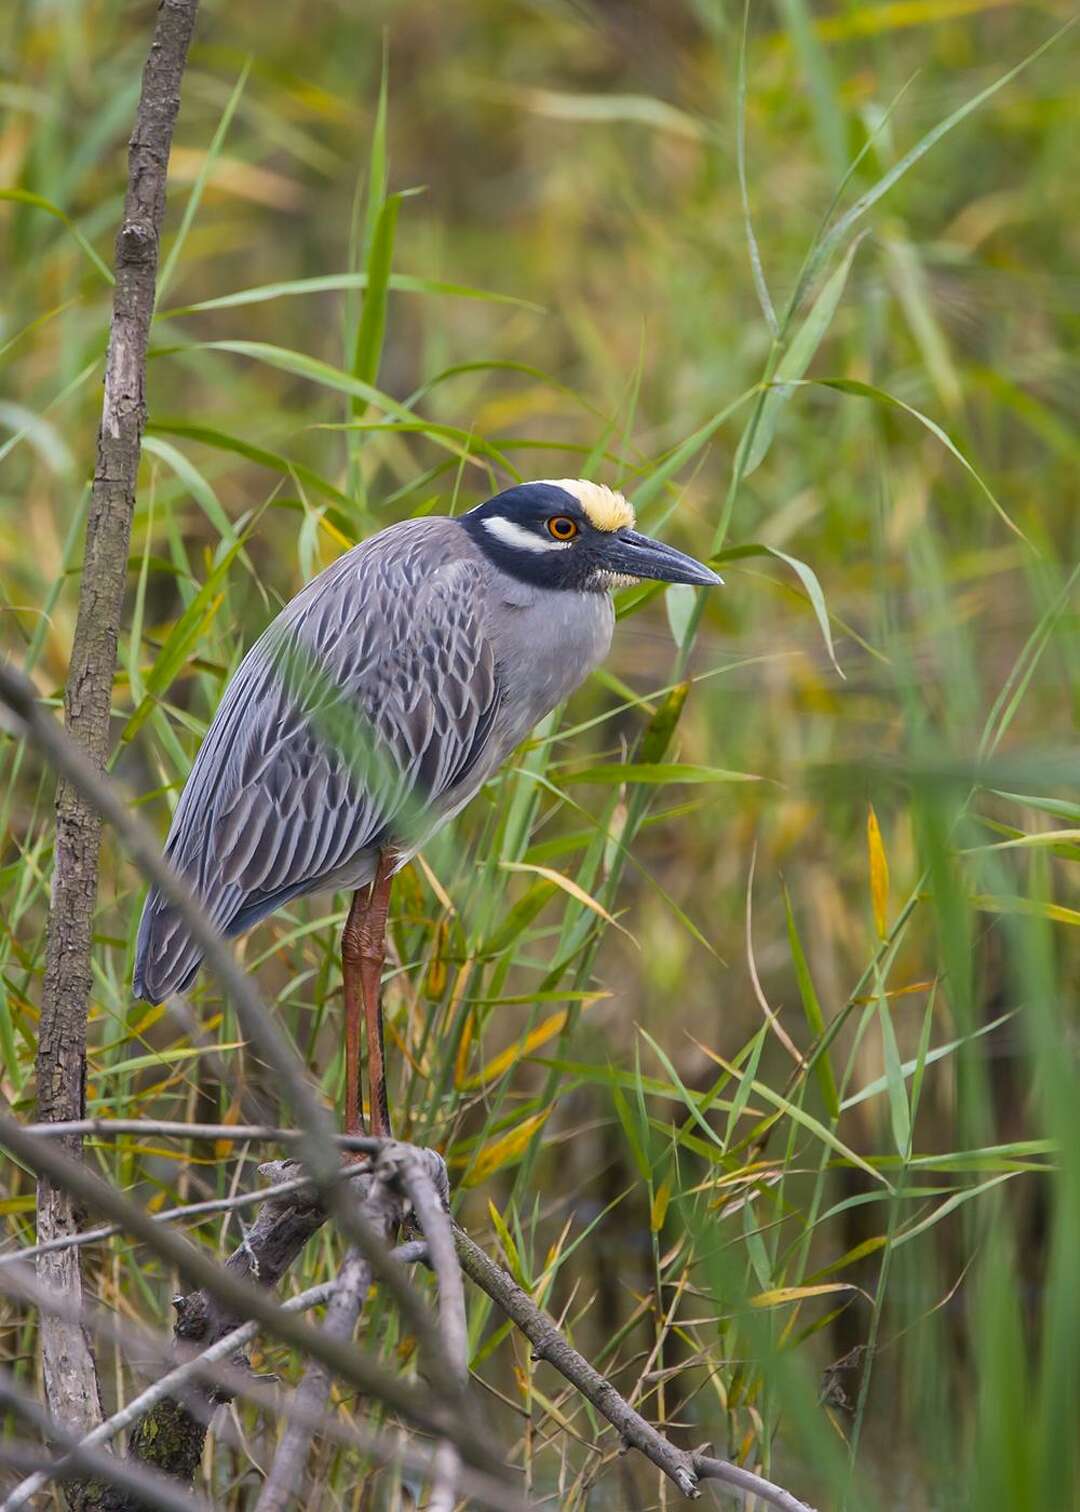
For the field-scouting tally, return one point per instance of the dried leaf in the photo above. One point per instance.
(504, 1150)
(526, 1045)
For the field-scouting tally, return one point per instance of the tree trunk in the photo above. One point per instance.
(70, 1376)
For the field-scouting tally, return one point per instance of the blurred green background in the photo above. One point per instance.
(794, 1150)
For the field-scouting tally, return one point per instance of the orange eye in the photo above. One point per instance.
(562, 527)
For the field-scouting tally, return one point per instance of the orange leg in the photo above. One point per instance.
(363, 950)
(350, 971)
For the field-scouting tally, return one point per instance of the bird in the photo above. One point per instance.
(377, 703)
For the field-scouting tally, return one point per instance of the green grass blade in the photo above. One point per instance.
(792, 365)
(371, 331)
(191, 209)
(812, 1009)
(39, 202)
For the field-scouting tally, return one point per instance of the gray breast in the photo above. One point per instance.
(546, 643)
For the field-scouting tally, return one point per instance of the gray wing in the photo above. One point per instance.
(373, 694)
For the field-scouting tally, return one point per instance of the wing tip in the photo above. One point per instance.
(167, 960)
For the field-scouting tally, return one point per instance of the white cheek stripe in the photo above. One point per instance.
(517, 536)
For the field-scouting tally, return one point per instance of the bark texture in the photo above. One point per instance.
(70, 1377)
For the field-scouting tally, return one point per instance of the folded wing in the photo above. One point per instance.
(370, 698)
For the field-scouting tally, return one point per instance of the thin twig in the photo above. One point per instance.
(708, 1468)
(684, 1468)
(111, 1128)
(384, 1206)
(430, 1203)
(400, 1169)
(345, 1307)
(174, 1215)
(423, 1174)
(445, 1478)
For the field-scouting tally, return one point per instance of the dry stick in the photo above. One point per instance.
(445, 1478)
(431, 1205)
(71, 1383)
(316, 1141)
(686, 1469)
(430, 1202)
(384, 1447)
(152, 1489)
(111, 1128)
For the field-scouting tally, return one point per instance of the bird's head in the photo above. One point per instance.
(577, 535)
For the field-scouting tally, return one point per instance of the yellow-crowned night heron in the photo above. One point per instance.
(445, 641)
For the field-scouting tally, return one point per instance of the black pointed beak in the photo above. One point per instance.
(640, 556)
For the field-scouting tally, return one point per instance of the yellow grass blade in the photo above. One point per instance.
(571, 887)
(781, 1294)
(525, 1046)
(879, 873)
(504, 1150)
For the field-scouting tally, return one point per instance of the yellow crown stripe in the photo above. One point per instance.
(605, 509)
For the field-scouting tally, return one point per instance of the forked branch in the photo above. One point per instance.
(685, 1468)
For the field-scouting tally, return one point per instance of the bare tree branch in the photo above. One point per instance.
(354, 1281)
(424, 1177)
(445, 1478)
(210, 1365)
(686, 1469)
(421, 1174)
(748, 1483)
(70, 1376)
(242, 1300)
